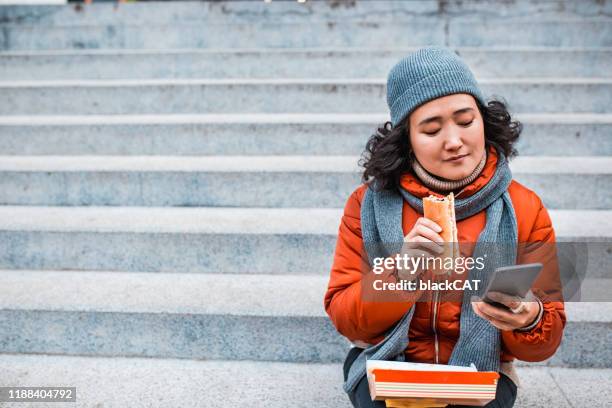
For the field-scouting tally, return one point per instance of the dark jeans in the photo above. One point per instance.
(360, 398)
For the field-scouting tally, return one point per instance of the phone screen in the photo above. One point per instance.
(514, 280)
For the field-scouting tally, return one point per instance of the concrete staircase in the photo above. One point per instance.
(172, 177)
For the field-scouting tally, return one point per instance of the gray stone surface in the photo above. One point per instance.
(265, 134)
(539, 389)
(192, 316)
(485, 62)
(136, 382)
(584, 345)
(210, 294)
(256, 181)
(266, 316)
(180, 293)
(170, 252)
(246, 221)
(539, 165)
(208, 240)
(535, 95)
(560, 33)
(589, 387)
(420, 31)
(315, 32)
(193, 336)
(120, 382)
(204, 220)
(257, 11)
(237, 293)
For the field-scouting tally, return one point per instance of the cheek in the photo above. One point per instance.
(426, 146)
(474, 135)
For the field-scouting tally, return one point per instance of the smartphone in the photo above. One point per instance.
(514, 280)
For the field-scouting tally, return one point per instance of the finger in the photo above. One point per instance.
(428, 245)
(476, 305)
(501, 325)
(477, 310)
(419, 232)
(421, 245)
(497, 323)
(429, 233)
(429, 224)
(495, 313)
(511, 301)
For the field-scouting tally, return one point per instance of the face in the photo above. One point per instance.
(446, 127)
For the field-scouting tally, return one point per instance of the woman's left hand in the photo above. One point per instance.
(526, 310)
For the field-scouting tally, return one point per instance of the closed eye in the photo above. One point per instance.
(462, 124)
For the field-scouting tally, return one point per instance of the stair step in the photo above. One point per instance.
(145, 382)
(181, 12)
(409, 31)
(266, 134)
(192, 316)
(168, 315)
(537, 95)
(256, 181)
(211, 240)
(485, 62)
(142, 305)
(171, 293)
(581, 32)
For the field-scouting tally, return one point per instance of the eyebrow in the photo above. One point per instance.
(434, 118)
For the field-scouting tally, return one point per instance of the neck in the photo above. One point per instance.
(445, 186)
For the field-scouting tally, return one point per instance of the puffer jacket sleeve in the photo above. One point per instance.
(542, 341)
(357, 316)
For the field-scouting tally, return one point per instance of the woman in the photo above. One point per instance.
(443, 137)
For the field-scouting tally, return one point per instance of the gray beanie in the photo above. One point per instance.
(427, 74)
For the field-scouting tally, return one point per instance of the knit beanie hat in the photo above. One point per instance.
(427, 74)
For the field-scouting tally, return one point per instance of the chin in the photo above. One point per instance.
(458, 173)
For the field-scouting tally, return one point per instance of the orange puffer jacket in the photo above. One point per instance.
(433, 333)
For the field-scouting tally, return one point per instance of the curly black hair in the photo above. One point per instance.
(387, 155)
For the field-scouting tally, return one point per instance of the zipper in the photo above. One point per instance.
(435, 313)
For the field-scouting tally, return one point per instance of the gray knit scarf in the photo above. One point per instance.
(381, 225)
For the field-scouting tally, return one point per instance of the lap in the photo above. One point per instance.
(504, 398)
(360, 398)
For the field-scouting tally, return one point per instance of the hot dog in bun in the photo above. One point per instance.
(442, 212)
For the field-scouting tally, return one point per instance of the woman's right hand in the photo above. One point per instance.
(423, 240)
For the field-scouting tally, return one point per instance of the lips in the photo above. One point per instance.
(456, 157)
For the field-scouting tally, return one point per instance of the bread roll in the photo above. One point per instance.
(442, 212)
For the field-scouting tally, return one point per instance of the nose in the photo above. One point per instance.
(453, 139)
